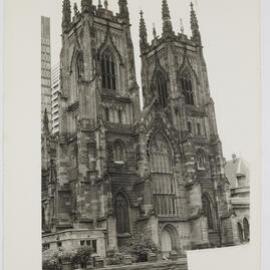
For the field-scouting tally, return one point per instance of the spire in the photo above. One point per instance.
(143, 32)
(123, 9)
(106, 4)
(166, 17)
(76, 10)
(99, 4)
(182, 29)
(154, 31)
(86, 5)
(196, 35)
(66, 15)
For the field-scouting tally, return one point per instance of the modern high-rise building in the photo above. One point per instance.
(55, 98)
(117, 172)
(45, 68)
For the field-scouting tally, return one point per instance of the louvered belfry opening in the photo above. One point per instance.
(108, 70)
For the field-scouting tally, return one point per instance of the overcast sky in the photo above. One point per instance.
(230, 37)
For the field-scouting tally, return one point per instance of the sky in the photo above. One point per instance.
(230, 37)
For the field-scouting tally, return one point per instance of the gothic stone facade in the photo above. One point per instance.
(115, 171)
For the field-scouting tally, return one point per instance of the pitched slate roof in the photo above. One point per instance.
(237, 167)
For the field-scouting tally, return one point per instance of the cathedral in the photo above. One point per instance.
(116, 170)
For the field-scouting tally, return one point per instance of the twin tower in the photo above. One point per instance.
(117, 172)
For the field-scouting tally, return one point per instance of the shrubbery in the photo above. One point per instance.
(140, 246)
(52, 260)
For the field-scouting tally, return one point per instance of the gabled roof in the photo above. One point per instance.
(235, 168)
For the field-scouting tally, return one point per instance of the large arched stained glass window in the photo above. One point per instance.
(187, 88)
(160, 86)
(108, 70)
(161, 170)
(208, 210)
(122, 214)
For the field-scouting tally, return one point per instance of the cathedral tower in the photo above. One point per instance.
(182, 161)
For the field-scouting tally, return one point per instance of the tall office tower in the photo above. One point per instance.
(45, 68)
(55, 98)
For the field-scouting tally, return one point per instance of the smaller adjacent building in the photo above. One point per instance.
(237, 173)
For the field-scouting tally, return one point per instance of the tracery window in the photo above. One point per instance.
(122, 214)
(108, 70)
(187, 88)
(208, 210)
(161, 170)
(201, 159)
(119, 154)
(160, 85)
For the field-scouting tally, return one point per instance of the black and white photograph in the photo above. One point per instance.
(133, 169)
(144, 133)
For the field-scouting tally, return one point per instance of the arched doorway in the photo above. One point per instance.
(169, 240)
(166, 242)
(122, 214)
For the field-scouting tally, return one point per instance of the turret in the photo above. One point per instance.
(143, 32)
(123, 9)
(196, 35)
(166, 18)
(86, 5)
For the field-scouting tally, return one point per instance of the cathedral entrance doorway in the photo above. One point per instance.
(169, 240)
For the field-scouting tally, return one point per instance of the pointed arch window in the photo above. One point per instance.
(201, 159)
(108, 70)
(80, 65)
(164, 185)
(240, 232)
(160, 86)
(208, 210)
(246, 229)
(187, 88)
(119, 154)
(122, 214)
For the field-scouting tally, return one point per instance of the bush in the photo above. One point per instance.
(114, 257)
(139, 246)
(82, 256)
(50, 260)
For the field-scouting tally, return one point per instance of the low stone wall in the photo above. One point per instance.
(180, 264)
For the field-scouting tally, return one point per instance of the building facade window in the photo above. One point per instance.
(246, 229)
(201, 159)
(108, 70)
(46, 246)
(240, 232)
(199, 131)
(89, 243)
(162, 175)
(186, 84)
(160, 87)
(189, 126)
(208, 210)
(120, 117)
(119, 152)
(122, 214)
(107, 114)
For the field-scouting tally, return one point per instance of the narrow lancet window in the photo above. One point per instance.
(108, 70)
